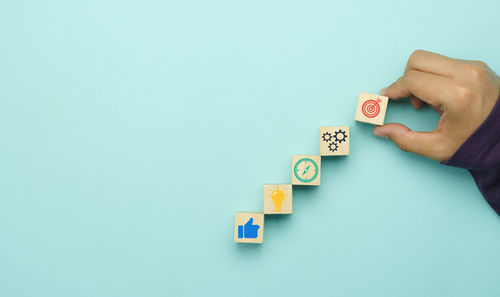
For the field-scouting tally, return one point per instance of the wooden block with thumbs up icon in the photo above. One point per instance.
(249, 227)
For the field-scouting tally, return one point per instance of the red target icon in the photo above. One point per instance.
(371, 108)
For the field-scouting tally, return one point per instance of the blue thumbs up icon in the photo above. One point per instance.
(248, 230)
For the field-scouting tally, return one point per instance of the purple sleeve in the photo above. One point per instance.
(480, 154)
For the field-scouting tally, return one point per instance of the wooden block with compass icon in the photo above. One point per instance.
(371, 108)
(306, 170)
(334, 141)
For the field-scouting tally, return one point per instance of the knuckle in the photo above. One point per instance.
(476, 72)
(409, 76)
(481, 63)
(462, 93)
(403, 145)
(416, 54)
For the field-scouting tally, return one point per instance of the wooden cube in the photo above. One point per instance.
(278, 199)
(334, 141)
(371, 108)
(306, 170)
(249, 227)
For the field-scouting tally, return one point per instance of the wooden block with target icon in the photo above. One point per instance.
(334, 141)
(306, 170)
(371, 108)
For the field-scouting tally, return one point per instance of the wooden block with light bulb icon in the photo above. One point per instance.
(306, 170)
(278, 199)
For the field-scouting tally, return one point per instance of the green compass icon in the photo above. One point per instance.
(306, 170)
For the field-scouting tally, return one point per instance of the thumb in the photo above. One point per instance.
(420, 143)
(250, 222)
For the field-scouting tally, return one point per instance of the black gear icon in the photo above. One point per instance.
(338, 138)
(327, 136)
(333, 146)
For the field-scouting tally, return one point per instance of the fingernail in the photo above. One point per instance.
(382, 91)
(379, 133)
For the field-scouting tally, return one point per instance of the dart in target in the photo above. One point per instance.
(371, 108)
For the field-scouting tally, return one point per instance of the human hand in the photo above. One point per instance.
(463, 93)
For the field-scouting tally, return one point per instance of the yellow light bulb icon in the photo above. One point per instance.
(278, 197)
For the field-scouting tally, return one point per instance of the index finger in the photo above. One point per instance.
(430, 88)
(433, 63)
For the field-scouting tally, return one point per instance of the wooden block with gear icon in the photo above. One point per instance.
(306, 170)
(371, 108)
(278, 199)
(334, 141)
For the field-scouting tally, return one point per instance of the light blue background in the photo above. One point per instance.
(132, 131)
